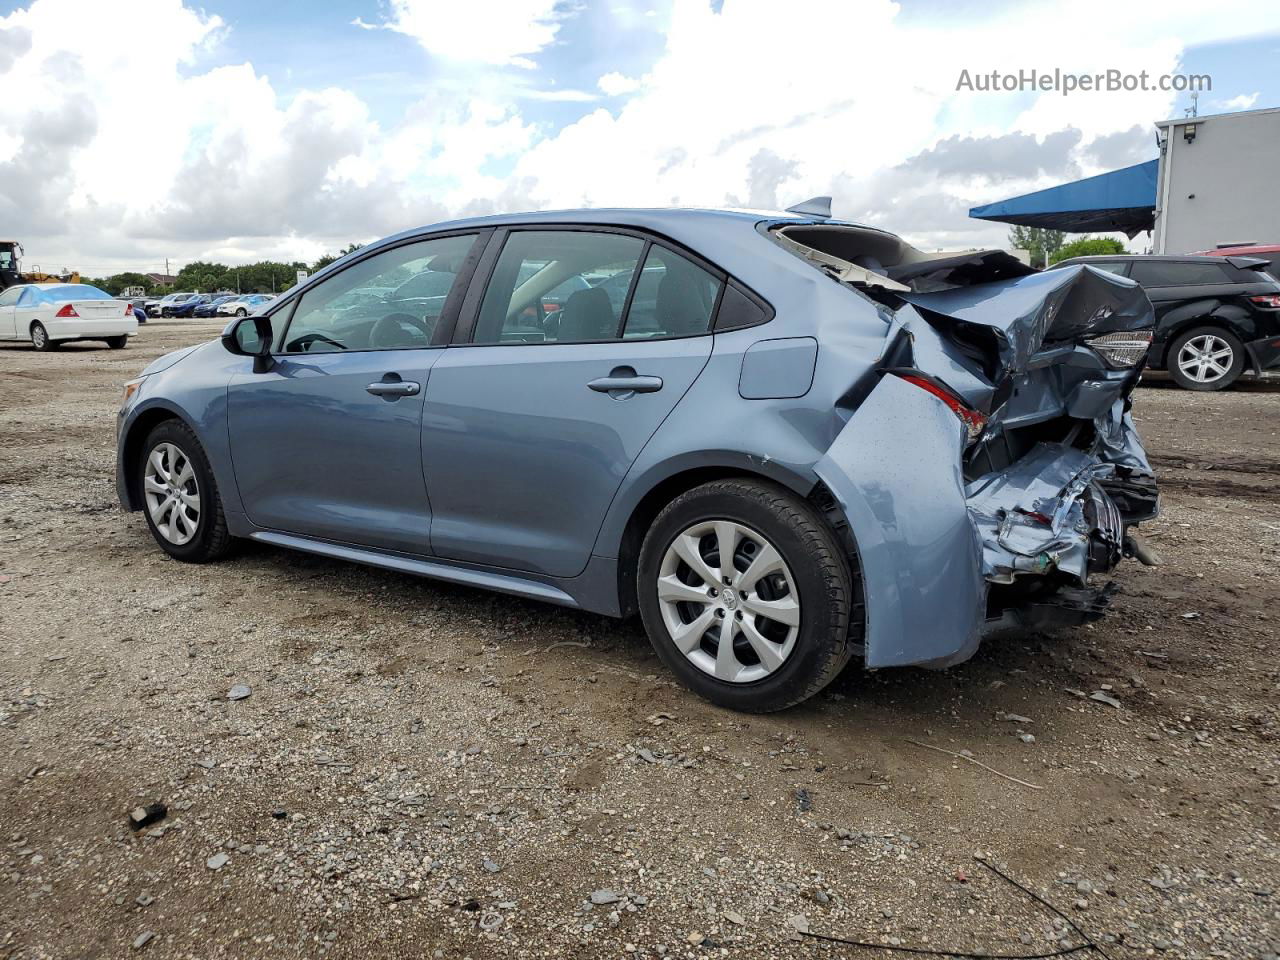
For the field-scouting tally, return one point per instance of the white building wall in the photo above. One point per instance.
(1220, 186)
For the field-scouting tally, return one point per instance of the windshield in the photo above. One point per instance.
(74, 291)
(429, 283)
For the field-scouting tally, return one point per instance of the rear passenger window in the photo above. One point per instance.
(558, 286)
(1171, 273)
(391, 301)
(674, 298)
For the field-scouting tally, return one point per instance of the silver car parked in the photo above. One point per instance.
(801, 442)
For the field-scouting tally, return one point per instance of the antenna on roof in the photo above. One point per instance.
(813, 207)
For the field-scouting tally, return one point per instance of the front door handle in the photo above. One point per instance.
(623, 382)
(391, 386)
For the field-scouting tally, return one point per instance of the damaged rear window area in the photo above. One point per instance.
(875, 260)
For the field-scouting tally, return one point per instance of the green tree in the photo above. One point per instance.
(201, 276)
(1087, 246)
(1042, 243)
(116, 283)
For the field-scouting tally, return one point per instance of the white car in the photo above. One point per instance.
(49, 314)
(243, 306)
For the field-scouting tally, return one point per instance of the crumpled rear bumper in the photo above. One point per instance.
(931, 548)
(1047, 512)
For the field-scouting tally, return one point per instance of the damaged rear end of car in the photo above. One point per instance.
(989, 468)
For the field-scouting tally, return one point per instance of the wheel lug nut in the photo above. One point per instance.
(713, 592)
(720, 613)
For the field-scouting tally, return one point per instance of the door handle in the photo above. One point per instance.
(394, 388)
(622, 382)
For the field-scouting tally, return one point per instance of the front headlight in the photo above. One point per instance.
(1122, 349)
(130, 391)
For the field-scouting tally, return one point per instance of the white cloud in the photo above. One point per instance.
(1242, 102)
(841, 124)
(242, 171)
(496, 32)
(554, 95)
(616, 84)
(257, 173)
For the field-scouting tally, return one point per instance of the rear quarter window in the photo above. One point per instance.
(1171, 273)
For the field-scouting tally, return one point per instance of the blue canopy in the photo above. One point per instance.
(1123, 200)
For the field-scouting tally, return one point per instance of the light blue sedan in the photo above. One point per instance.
(784, 440)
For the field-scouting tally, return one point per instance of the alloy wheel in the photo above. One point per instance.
(1205, 358)
(728, 601)
(39, 338)
(172, 493)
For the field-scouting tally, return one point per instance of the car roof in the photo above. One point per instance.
(715, 233)
(1146, 257)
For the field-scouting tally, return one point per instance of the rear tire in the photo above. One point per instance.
(242, 312)
(117, 343)
(1205, 359)
(788, 631)
(170, 492)
(40, 338)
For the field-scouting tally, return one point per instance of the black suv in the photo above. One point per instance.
(1215, 316)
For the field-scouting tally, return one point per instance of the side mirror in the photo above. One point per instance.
(250, 337)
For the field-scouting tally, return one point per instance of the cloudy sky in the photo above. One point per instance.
(135, 130)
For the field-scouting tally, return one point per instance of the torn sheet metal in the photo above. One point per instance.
(1057, 306)
(1046, 513)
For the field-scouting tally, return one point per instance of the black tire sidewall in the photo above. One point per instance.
(1231, 376)
(822, 622)
(49, 342)
(202, 546)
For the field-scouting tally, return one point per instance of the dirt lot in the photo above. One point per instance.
(424, 770)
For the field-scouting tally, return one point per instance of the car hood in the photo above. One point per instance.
(169, 359)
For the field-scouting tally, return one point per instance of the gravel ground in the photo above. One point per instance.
(429, 771)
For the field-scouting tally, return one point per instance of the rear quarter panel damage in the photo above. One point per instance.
(895, 472)
(932, 539)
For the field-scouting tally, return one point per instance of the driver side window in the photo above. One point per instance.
(391, 301)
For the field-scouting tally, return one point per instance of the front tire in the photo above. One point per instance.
(242, 312)
(117, 343)
(1205, 359)
(180, 497)
(40, 338)
(764, 630)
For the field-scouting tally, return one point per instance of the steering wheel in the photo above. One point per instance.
(399, 330)
(304, 342)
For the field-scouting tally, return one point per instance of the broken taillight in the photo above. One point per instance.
(974, 422)
(67, 311)
(1122, 349)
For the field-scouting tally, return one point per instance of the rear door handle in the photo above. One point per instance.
(622, 382)
(394, 388)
